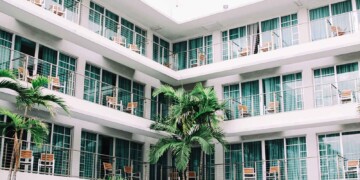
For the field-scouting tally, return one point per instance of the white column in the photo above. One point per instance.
(149, 45)
(355, 16)
(217, 46)
(84, 13)
(147, 102)
(75, 153)
(308, 90)
(304, 26)
(146, 168)
(80, 78)
(219, 160)
(312, 163)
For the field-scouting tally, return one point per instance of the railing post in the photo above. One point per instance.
(234, 171)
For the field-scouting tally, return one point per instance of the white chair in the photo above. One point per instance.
(249, 173)
(129, 174)
(54, 83)
(119, 40)
(112, 103)
(243, 110)
(243, 52)
(174, 176)
(27, 158)
(346, 95)
(337, 31)
(134, 48)
(352, 167)
(131, 107)
(24, 75)
(272, 107)
(266, 46)
(57, 10)
(108, 170)
(274, 172)
(47, 161)
(38, 2)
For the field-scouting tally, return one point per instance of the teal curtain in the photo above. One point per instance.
(66, 73)
(296, 158)
(22, 48)
(111, 24)
(96, 17)
(92, 83)
(47, 63)
(253, 157)
(238, 41)
(318, 13)
(88, 148)
(108, 85)
(275, 155)
(289, 30)
(269, 25)
(292, 94)
(61, 148)
(225, 45)
(347, 75)
(127, 31)
(180, 54)
(351, 148)
(329, 149)
(163, 106)
(140, 39)
(250, 97)
(160, 50)
(195, 47)
(136, 152)
(124, 94)
(233, 159)
(271, 90)
(122, 153)
(318, 24)
(357, 4)
(325, 89)
(194, 162)
(104, 154)
(139, 97)
(208, 49)
(341, 7)
(158, 171)
(5, 49)
(232, 99)
(153, 108)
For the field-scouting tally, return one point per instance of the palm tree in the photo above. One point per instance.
(17, 124)
(28, 98)
(190, 112)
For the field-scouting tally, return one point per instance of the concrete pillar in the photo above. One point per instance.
(75, 153)
(217, 45)
(80, 78)
(219, 160)
(308, 90)
(147, 102)
(84, 13)
(149, 45)
(312, 163)
(355, 16)
(146, 168)
(304, 25)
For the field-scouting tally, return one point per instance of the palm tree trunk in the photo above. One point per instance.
(17, 155)
(201, 165)
(12, 156)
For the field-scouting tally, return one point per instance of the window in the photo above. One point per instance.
(5, 49)
(180, 55)
(103, 21)
(92, 83)
(331, 81)
(139, 97)
(161, 50)
(208, 167)
(133, 34)
(231, 96)
(159, 106)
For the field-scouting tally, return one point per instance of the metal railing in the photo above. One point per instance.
(327, 94)
(251, 43)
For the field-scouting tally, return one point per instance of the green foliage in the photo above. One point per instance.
(192, 120)
(39, 81)
(7, 73)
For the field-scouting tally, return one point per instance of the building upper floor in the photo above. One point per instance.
(254, 41)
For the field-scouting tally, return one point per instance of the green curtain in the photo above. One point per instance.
(195, 47)
(357, 4)
(329, 149)
(24, 47)
(291, 92)
(347, 75)
(275, 155)
(237, 40)
(225, 45)
(108, 85)
(157, 55)
(250, 97)
(5, 49)
(96, 17)
(139, 93)
(61, 149)
(122, 153)
(140, 39)
(325, 91)
(296, 158)
(180, 54)
(88, 148)
(66, 73)
(271, 90)
(319, 13)
(232, 99)
(208, 49)
(92, 83)
(153, 108)
(127, 31)
(289, 30)
(104, 154)
(233, 159)
(124, 94)
(111, 24)
(136, 152)
(351, 148)
(341, 7)
(47, 64)
(270, 24)
(318, 24)
(253, 157)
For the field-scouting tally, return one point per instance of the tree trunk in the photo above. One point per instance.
(201, 165)
(13, 156)
(17, 155)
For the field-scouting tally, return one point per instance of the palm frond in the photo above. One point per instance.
(12, 85)
(7, 73)
(39, 81)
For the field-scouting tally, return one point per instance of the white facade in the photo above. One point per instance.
(303, 73)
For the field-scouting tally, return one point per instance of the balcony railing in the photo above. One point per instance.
(252, 43)
(292, 99)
